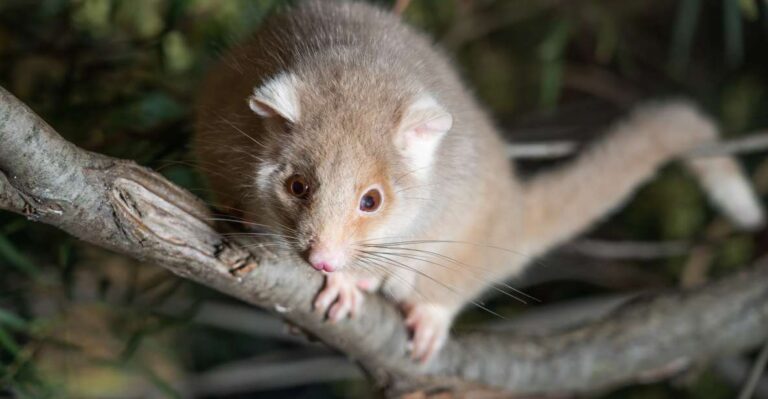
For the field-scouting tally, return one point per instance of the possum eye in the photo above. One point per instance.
(371, 200)
(297, 186)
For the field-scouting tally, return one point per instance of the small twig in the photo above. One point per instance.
(629, 249)
(696, 268)
(753, 142)
(550, 150)
(755, 373)
(735, 370)
(237, 318)
(561, 315)
(271, 372)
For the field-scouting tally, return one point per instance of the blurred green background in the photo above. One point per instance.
(119, 77)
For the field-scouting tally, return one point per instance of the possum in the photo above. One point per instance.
(351, 139)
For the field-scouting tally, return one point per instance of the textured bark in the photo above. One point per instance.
(119, 205)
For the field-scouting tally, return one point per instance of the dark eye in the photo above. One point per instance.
(371, 200)
(297, 186)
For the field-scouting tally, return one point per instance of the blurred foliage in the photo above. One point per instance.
(119, 77)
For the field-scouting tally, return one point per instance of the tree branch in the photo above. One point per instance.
(132, 210)
(757, 141)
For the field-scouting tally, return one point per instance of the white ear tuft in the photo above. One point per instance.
(277, 97)
(423, 126)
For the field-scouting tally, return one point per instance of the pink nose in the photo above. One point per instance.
(323, 266)
(325, 259)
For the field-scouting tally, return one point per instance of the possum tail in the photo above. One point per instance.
(729, 189)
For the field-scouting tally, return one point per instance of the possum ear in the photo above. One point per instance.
(277, 97)
(424, 124)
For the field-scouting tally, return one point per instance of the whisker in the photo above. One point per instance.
(390, 273)
(266, 226)
(278, 245)
(402, 265)
(441, 256)
(377, 238)
(487, 246)
(240, 220)
(246, 234)
(491, 283)
(397, 179)
(170, 163)
(231, 124)
(415, 187)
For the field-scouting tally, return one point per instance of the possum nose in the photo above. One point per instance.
(324, 258)
(323, 266)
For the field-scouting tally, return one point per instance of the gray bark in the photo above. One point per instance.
(130, 209)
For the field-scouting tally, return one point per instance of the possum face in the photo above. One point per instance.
(343, 167)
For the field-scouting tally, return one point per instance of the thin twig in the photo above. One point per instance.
(271, 372)
(239, 318)
(755, 373)
(753, 142)
(549, 150)
(628, 249)
(735, 370)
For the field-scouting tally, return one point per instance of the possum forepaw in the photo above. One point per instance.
(340, 297)
(429, 325)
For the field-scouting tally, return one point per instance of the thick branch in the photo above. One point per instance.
(119, 205)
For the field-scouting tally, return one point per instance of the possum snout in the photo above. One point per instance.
(325, 255)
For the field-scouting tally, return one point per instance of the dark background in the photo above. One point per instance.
(119, 77)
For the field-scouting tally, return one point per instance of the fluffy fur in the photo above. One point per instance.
(348, 97)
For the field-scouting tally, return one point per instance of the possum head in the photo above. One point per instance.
(345, 162)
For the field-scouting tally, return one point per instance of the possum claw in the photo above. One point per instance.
(429, 325)
(340, 297)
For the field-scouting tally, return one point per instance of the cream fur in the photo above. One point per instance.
(360, 70)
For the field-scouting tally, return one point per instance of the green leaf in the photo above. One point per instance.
(92, 16)
(551, 53)
(607, 39)
(7, 342)
(734, 40)
(12, 320)
(749, 9)
(736, 252)
(148, 111)
(176, 53)
(682, 37)
(13, 257)
(14, 226)
(143, 17)
(740, 102)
